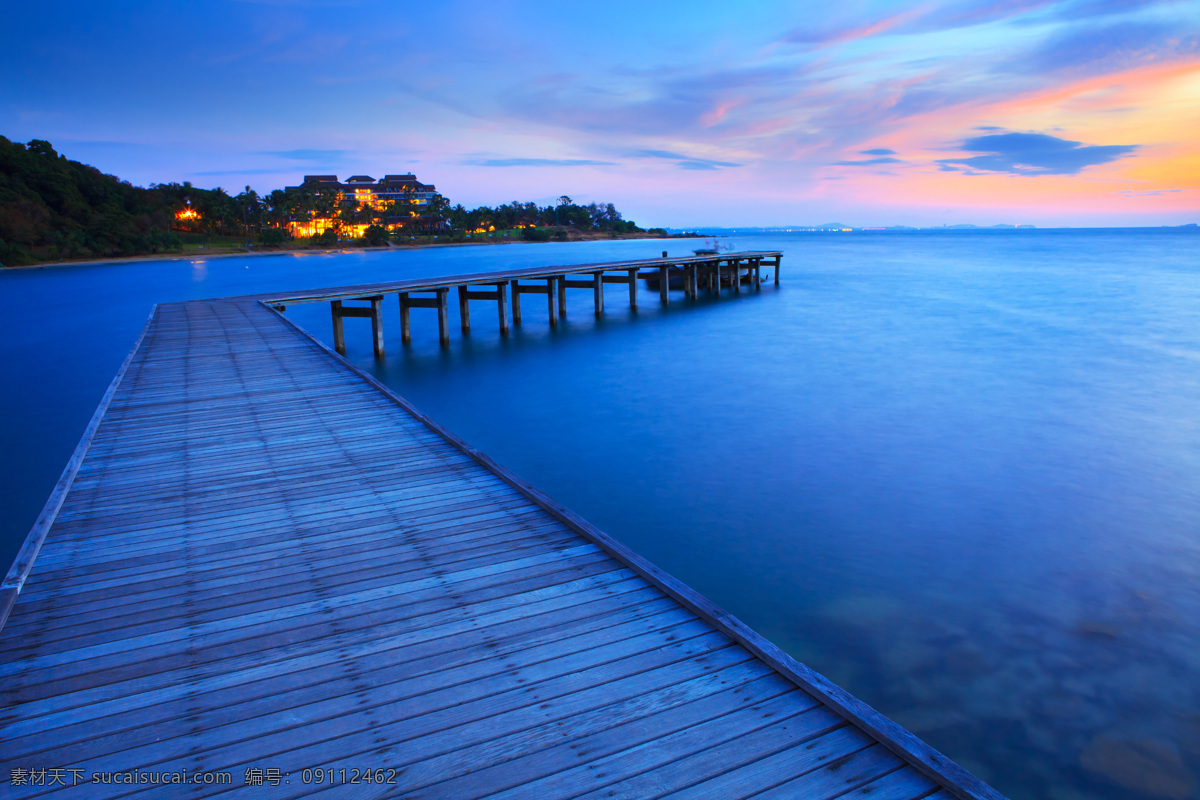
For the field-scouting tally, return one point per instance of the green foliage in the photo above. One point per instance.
(273, 237)
(535, 234)
(376, 235)
(326, 238)
(53, 208)
(13, 255)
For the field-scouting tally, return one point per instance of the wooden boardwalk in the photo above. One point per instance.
(712, 272)
(262, 564)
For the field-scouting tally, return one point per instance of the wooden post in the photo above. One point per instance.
(443, 306)
(562, 296)
(405, 324)
(633, 289)
(516, 302)
(663, 291)
(737, 276)
(598, 292)
(339, 333)
(757, 276)
(464, 310)
(502, 305)
(550, 301)
(664, 252)
(377, 325)
(717, 277)
(777, 260)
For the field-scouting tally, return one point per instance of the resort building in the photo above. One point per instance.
(398, 199)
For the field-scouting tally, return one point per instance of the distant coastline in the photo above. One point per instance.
(298, 249)
(837, 227)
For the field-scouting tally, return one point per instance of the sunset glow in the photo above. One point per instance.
(1050, 112)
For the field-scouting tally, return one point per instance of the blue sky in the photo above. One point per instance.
(1076, 112)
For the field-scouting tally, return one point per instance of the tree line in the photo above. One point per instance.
(52, 208)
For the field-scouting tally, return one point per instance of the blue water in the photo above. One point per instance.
(958, 473)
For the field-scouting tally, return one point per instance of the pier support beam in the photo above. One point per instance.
(549, 290)
(374, 312)
(499, 294)
(440, 302)
(664, 293)
(502, 306)
(339, 332)
(633, 288)
(443, 316)
(736, 268)
(562, 296)
(464, 310)
(598, 292)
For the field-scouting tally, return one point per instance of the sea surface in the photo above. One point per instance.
(956, 472)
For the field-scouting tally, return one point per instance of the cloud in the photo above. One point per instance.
(866, 162)
(1151, 193)
(1109, 48)
(306, 155)
(1034, 154)
(685, 162)
(538, 162)
(878, 151)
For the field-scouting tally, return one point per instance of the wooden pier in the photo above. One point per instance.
(262, 564)
(709, 273)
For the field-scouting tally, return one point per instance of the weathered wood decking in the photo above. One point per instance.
(267, 562)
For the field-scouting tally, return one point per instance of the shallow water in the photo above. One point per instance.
(955, 472)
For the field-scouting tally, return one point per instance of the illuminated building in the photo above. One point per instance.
(187, 217)
(399, 196)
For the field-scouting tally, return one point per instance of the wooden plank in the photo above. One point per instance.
(268, 557)
(501, 614)
(900, 741)
(420, 302)
(528, 273)
(834, 780)
(903, 784)
(601, 747)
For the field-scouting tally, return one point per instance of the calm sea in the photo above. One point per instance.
(957, 472)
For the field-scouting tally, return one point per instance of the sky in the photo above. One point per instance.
(682, 114)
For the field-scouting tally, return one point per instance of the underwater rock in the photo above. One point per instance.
(1145, 765)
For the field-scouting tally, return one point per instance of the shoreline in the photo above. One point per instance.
(293, 251)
